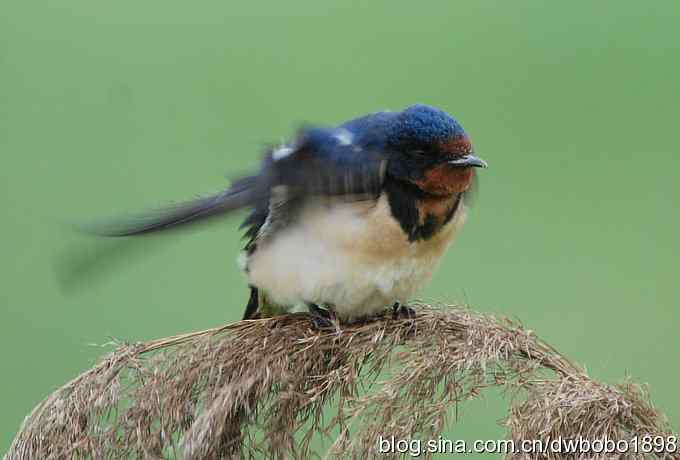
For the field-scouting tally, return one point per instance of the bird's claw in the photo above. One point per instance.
(321, 323)
(400, 311)
(322, 318)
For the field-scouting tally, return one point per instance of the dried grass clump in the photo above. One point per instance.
(259, 388)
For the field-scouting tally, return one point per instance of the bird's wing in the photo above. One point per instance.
(320, 162)
(325, 162)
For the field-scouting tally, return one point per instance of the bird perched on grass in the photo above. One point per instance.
(346, 220)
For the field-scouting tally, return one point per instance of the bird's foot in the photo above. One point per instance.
(400, 311)
(323, 318)
(321, 323)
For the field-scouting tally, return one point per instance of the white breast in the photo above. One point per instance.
(353, 257)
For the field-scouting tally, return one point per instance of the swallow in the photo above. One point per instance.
(345, 221)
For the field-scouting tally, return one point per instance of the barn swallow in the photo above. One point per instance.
(346, 221)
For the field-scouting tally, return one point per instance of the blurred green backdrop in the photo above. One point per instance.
(114, 105)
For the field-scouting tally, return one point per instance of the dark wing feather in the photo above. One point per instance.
(322, 164)
(319, 163)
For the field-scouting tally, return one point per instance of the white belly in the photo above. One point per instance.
(353, 257)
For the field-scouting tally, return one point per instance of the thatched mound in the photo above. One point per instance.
(260, 388)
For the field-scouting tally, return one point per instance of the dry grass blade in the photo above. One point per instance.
(260, 388)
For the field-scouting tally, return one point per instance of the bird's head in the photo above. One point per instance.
(430, 150)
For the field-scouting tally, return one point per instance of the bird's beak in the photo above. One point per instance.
(468, 161)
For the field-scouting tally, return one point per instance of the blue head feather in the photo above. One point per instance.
(419, 126)
(422, 125)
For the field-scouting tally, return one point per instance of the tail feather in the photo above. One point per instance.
(242, 193)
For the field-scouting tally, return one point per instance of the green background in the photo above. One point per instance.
(114, 105)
